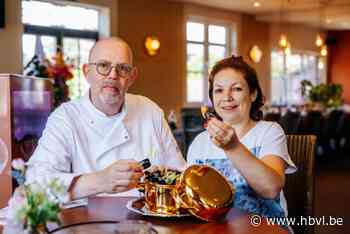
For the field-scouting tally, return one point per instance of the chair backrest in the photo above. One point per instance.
(191, 118)
(290, 122)
(299, 187)
(192, 123)
(271, 116)
(312, 123)
(343, 132)
(332, 123)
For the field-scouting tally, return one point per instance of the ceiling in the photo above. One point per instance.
(328, 14)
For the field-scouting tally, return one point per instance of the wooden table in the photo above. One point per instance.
(114, 209)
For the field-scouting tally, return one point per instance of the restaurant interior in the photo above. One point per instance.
(299, 49)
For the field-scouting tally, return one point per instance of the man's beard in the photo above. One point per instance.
(110, 99)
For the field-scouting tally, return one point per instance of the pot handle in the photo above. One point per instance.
(141, 187)
(179, 200)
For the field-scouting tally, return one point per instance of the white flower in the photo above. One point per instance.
(36, 188)
(18, 164)
(16, 204)
(57, 191)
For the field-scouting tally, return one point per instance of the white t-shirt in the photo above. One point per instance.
(266, 138)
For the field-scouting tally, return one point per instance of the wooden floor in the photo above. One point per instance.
(333, 193)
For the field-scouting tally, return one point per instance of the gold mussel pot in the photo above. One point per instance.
(161, 198)
(200, 190)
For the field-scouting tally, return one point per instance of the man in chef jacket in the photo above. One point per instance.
(93, 144)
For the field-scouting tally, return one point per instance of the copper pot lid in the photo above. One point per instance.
(205, 192)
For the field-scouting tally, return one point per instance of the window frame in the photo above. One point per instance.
(59, 33)
(230, 47)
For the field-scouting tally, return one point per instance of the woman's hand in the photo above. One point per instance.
(222, 135)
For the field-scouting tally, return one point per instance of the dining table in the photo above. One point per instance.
(108, 210)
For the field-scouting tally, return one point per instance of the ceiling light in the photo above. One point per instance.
(324, 51)
(328, 21)
(283, 41)
(319, 40)
(257, 4)
(255, 54)
(320, 65)
(288, 50)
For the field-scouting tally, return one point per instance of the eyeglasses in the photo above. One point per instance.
(104, 68)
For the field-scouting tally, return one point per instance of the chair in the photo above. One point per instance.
(332, 132)
(272, 116)
(299, 187)
(290, 122)
(313, 124)
(192, 123)
(343, 131)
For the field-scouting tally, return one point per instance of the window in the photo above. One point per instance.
(287, 72)
(58, 27)
(206, 44)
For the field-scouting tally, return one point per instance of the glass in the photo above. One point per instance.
(53, 14)
(195, 87)
(28, 42)
(195, 57)
(77, 51)
(293, 64)
(217, 34)
(286, 89)
(195, 32)
(104, 68)
(215, 54)
(277, 78)
(276, 65)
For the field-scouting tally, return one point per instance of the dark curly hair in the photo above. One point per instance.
(249, 74)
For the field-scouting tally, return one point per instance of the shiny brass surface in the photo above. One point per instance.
(201, 190)
(205, 192)
(208, 186)
(160, 198)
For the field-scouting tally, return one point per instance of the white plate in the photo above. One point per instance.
(138, 206)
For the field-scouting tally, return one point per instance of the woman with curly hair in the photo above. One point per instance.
(251, 153)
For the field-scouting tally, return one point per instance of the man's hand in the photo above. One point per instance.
(121, 176)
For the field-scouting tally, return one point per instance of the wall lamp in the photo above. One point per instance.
(152, 45)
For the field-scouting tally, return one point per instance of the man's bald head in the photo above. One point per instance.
(106, 41)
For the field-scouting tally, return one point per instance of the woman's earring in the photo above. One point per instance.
(253, 97)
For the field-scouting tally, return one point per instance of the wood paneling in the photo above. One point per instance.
(5, 136)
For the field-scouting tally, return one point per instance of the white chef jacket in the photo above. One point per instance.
(78, 139)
